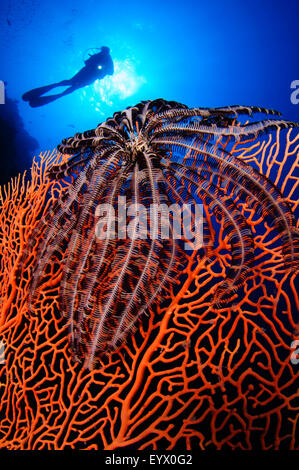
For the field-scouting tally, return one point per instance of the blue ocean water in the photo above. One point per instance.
(201, 53)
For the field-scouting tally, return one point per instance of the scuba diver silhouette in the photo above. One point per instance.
(97, 66)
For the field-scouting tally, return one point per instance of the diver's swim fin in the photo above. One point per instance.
(41, 100)
(27, 96)
(37, 92)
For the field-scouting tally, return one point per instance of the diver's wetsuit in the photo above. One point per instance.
(87, 75)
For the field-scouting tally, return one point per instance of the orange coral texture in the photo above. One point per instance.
(189, 377)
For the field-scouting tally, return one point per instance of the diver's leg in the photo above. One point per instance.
(64, 83)
(69, 90)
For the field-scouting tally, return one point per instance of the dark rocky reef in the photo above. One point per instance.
(17, 146)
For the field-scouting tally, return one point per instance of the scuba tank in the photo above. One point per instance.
(89, 55)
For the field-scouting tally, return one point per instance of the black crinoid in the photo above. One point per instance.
(151, 156)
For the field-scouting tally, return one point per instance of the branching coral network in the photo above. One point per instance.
(192, 374)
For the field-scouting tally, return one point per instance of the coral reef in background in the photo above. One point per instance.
(18, 146)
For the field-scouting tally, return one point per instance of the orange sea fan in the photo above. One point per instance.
(191, 376)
